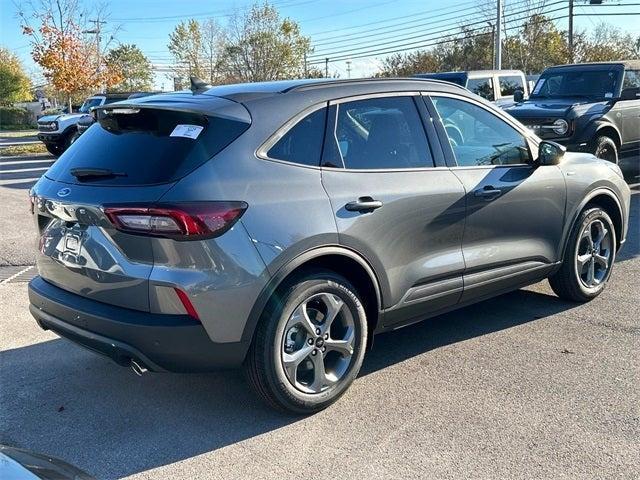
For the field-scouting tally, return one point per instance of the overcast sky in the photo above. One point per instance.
(338, 28)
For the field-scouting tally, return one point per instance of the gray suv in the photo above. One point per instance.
(279, 226)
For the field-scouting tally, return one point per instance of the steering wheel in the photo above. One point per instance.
(455, 134)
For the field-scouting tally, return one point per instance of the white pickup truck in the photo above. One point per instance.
(58, 131)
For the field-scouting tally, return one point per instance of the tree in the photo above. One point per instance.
(538, 45)
(406, 65)
(15, 86)
(72, 64)
(132, 67)
(185, 44)
(262, 46)
(606, 43)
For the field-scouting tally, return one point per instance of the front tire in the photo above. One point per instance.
(589, 258)
(606, 149)
(54, 149)
(309, 344)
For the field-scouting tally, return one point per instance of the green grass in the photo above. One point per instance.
(27, 149)
(16, 128)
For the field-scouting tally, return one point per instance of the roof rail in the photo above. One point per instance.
(320, 84)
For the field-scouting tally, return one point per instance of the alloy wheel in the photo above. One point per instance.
(318, 343)
(594, 253)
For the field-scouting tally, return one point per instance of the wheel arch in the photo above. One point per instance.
(609, 130)
(344, 261)
(605, 199)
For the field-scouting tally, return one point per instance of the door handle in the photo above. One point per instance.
(488, 192)
(363, 204)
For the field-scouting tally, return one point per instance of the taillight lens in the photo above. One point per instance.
(181, 221)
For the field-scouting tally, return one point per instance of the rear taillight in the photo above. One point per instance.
(180, 221)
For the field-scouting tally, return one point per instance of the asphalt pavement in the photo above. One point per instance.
(522, 386)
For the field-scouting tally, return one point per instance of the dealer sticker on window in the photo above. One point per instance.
(187, 131)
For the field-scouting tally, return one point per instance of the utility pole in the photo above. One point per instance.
(326, 67)
(96, 30)
(498, 37)
(493, 43)
(348, 62)
(306, 71)
(570, 31)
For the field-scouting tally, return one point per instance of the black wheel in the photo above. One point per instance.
(309, 344)
(73, 138)
(54, 149)
(605, 148)
(588, 259)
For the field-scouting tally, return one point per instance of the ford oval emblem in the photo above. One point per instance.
(63, 192)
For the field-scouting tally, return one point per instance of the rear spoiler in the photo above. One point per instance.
(188, 102)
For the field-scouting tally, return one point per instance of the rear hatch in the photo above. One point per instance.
(130, 157)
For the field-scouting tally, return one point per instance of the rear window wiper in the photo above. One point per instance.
(90, 172)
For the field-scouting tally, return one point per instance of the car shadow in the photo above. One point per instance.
(64, 401)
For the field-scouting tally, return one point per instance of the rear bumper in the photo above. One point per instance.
(160, 342)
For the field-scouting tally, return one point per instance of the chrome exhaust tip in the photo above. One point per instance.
(137, 368)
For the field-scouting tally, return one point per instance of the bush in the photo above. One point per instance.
(15, 116)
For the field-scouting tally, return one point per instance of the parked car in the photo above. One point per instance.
(88, 119)
(588, 107)
(497, 86)
(280, 225)
(58, 131)
(19, 464)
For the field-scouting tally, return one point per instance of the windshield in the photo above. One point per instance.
(88, 103)
(591, 84)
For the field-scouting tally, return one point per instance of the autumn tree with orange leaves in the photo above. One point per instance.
(69, 61)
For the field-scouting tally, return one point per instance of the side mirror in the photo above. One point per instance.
(550, 153)
(518, 96)
(632, 93)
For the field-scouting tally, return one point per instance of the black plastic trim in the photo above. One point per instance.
(161, 342)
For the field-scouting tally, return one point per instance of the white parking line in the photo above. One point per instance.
(22, 170)
(20, 162)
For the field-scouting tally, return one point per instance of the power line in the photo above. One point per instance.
(431, 34)
(404, 28)
(403, 17)
(426, 45)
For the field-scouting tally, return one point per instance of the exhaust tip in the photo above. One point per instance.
(137, 368)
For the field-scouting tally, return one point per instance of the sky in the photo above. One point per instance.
(357, 33)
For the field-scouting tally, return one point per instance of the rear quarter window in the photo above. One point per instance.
(302, 144)
(144, 147)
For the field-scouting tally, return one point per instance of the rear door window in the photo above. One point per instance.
(382, 133)
(302, 144)
(482, 86)
(509, 84)
(144, 146)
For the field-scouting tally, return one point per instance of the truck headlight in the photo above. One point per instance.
(560, 126)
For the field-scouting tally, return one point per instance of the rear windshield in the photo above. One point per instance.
(144, 146)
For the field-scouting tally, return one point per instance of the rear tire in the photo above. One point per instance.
(309, 344)
(588, 259)
(606, 149)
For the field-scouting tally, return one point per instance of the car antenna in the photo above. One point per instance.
(198, 85)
